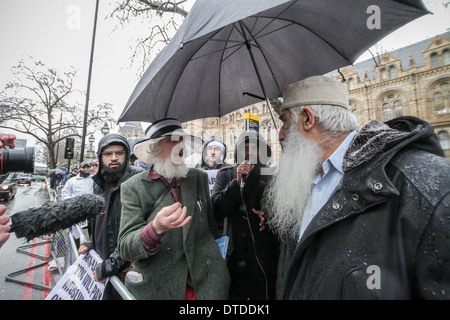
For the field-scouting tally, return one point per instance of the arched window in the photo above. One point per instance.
(383, 74)
(438, 102)
(439, 97)
(387, 112)
(398, 109)
(434, 60)
(392, 72)
(351, 84)
(392, 104)
(446, 56)
(444, 139)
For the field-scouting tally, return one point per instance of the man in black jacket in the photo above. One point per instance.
(253, 252)
(114, 169)
(365, 214)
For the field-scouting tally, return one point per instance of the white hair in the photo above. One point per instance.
(290, 187)
(333, 120)
(165, 167)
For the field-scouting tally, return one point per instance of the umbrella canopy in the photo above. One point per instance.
(226, 54)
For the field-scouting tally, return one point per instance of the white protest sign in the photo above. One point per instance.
(211, 178)
(223, 241)
(78, 283)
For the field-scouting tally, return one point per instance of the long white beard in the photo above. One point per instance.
(291, 185)
(169, 170)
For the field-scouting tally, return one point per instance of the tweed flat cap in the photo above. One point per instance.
(315, 90)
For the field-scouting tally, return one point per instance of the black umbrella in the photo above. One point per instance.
(231, 54)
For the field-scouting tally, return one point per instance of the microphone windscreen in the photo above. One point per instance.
(54, 216)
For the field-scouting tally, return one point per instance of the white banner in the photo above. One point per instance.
(78, 283)
(211, 178)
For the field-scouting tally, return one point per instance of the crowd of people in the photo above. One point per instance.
(348, 213)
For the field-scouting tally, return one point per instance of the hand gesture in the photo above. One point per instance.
(170, 217)
(244, 168)
(262, 220)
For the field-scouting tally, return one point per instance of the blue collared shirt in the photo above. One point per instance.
(325, 185)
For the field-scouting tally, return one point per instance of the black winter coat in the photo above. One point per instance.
(385, 232)
(113, 264)
(248, 281)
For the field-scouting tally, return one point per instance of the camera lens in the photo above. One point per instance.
(17, 160)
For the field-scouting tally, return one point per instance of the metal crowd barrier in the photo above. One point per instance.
(64, 251)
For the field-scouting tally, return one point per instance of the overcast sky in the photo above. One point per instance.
(59, 33)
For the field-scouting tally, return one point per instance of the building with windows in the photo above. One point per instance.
(131, 129)
(414, 80)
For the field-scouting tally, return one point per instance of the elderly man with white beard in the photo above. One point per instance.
(364, 214)
(170, 237)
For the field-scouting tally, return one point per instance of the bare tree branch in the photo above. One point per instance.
(163, 17)
(40, 102)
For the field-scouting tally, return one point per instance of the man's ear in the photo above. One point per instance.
(306, 119)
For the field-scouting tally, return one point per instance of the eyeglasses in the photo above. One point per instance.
(109, 154)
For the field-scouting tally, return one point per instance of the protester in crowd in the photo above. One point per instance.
(59, 178)
(364, 214)
(114, 169)
(132, 142)
(171, 243)
(254, 249)
(52, 180)
(213, 159)
(73, 173)
(94, 167)
(7, 140)
(82, 183)
(214, 154)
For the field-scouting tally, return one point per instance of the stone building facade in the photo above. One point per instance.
(414, 80)
(131, 129)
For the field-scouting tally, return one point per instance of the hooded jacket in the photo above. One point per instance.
(204, 164)
(114, 264)
(385, 232)
(252, 254)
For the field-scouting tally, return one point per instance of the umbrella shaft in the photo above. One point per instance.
(249, 48)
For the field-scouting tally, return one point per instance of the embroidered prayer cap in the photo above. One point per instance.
(315, 90)
(168, 127)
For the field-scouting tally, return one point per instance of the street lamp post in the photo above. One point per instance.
(105, 129)
(90, 154)
(91, 141)
(83, 137)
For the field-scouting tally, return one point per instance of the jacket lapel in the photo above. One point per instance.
(189, 199)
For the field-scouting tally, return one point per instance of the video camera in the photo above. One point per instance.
(16, 160)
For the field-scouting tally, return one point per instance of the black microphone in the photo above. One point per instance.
(54, 216)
